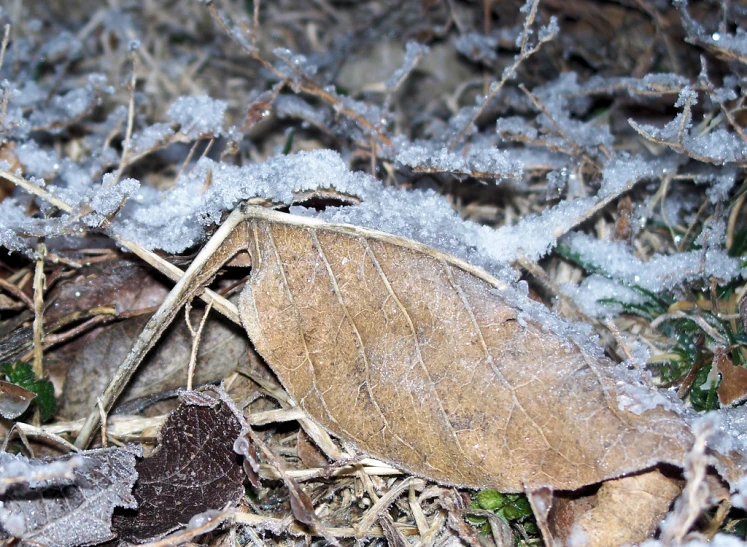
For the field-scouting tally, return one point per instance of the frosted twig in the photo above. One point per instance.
(593, 209)
(167, 268)
(36, 190)
(733, 122)
(6, 96)
(196, 335)
(508, 73)
(255, 22)
(124, 159)
(4, 46)
(694, 498)
(678, 145)
(414, 52)
(306, 85)
(576, 149)
(26, 430)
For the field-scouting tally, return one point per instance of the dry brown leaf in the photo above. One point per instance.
(416, 358)
(623, 511)
(733, 387)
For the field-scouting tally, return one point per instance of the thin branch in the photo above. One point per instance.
(524, 53)
(40, 282)
(18, 293)
(196, 335)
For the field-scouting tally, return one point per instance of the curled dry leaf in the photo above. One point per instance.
(14, 400)
(622, 511)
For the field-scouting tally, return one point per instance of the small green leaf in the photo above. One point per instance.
(288, 146)
(477, 520)
(22, 374)
(490, 500)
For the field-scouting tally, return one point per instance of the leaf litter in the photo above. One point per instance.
(516, 180)
(193, 471)
(67, 501)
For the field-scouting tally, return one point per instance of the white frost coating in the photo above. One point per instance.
(432, 156)
(598, 296)
(105, 201)
(149, 137)
(17, 469)
(660, 272)
(720, 179)
(413, 52)
(198, 116)
(717, 146)
(622, 170)
(639, 398)
(534, 235)
(556, 96)
(36, 161)
(64, 109)
(516, 125)
(731, 431)
(294, 106)
(656, 82)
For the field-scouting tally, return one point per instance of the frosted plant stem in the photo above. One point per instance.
(196, 335)
(36, 190)
(509, 73)
(40, 282)
(125, 158)
(562, 229)
(185, 289)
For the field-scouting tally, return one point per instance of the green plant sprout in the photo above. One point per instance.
(513, 508)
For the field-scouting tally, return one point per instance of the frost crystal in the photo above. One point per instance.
(660, 272)
(198, 116)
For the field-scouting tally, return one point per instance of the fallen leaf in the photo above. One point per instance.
(733, 387)
(14, 400)
(68, 501)
(622, 511)
(420, 360)
(194, 469)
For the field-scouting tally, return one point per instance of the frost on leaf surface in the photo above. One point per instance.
(486, 374)
(194, 469)
(68, 501)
